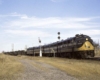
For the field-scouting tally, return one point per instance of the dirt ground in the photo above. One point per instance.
(35, 70)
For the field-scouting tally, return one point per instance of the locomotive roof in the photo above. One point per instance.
(77, 36)
(53, 44)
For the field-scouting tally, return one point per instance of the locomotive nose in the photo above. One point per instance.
(87, 45)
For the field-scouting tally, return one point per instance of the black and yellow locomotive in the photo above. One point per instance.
(80, 46)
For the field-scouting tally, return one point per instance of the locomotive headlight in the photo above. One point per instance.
(86, 38)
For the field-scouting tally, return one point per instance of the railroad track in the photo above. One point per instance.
(95, 58)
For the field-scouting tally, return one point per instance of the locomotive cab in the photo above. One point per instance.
(85, 46)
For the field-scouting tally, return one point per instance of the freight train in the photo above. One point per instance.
(79, 46)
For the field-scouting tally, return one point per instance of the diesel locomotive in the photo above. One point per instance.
(79, 46)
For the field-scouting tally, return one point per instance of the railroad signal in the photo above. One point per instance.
(39, 40)
(58, 35)
(57, 42)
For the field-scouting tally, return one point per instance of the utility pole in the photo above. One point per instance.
(12, 47)
(40, 48)
(98, 46)
(98, 43)
(33, 51)
(25, 47)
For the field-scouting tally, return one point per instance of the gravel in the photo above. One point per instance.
(36, 70)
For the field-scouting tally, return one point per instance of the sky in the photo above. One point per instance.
(22, 22)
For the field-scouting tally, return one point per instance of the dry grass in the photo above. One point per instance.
(9, 67)
(97, 52)
(81, 69)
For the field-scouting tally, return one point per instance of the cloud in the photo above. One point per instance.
(14, 14)
(35, 33)
(24, 21)
(90, 32)
(20, 23)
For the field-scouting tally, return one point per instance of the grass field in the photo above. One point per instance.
(9, 67)
(81, 69)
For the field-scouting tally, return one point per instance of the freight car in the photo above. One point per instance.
(79, 46)
(15, 53)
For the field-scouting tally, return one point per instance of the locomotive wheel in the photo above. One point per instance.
(92, 54)
(69, 55)
(61, 54)
(83, 55)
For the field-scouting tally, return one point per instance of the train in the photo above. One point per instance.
(79, 46)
